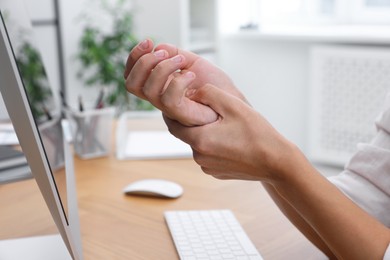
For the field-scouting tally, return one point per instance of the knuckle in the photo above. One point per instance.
(202, 145)
(160, 68)
(166, 66)
(170, 130)
(175, 81)
(169, 98)
(206, 170)
(198, 158)
(220, 177)
(168, 102)
(148, 93)
(133, 89)
(212, 173)
(143, 61)
(129, 86)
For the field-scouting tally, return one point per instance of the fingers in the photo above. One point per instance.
(160, 77)
(173, 97)
(204, 154)
(142, 48)
(219, 100)
(141, 70)
(206, 104)
(173, 51)
(177, 105)
(157, 81)
(184, 133)
(148, 73)
(195, 136)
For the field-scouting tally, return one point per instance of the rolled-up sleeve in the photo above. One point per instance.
(387, 253)
(366, 177)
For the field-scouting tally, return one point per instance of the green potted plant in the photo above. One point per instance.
(31, 68)
(34, 78)
(102, 55)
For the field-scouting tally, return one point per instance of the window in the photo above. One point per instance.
(371, 11)
(377, 3)
(325, 11)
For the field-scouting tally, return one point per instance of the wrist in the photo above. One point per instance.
(288, 164)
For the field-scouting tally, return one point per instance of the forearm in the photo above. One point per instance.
(347, 230)
(256, 151)
(297, 220)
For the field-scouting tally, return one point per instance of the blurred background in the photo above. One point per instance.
(318, 70)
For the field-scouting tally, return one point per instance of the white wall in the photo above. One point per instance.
(274, 72)
(273, 76)
(158, 20)
(71, 32)
(159, 23)
(45, 37)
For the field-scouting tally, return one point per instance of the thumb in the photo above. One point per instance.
(219, 100)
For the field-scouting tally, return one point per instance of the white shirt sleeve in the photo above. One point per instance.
(387, 253)
(366, 178)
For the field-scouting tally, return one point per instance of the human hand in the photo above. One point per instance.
(149, 73)
(241, 144)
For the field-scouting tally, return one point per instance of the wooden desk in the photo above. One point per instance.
(115, 226)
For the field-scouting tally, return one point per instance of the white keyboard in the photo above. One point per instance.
(209, 234)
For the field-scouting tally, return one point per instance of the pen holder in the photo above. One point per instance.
(91, 131)
(52, 138)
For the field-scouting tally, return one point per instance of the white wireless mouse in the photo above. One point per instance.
(154, 187)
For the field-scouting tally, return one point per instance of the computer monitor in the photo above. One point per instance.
(36, 117)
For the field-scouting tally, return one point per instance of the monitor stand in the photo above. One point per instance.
(34, 248)
(50, 246)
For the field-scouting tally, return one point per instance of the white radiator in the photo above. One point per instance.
(348, 85)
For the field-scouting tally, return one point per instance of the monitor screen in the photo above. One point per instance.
(45, 111)
(36, 116)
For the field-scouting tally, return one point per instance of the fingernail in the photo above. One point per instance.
(144, 45)
(160, 53)
(189, 74)
(177, 59)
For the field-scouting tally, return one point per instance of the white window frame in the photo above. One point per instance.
(360, 13)
(345, 12)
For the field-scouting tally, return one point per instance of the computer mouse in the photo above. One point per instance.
(154, 187)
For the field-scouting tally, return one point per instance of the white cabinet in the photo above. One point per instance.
(189, 24)
(203, 25)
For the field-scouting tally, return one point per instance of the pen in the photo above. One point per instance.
(81, 106)
(63, 99)
(99, 101)
(47, 113)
